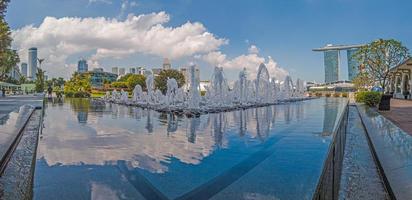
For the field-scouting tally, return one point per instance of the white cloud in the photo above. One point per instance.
(250, 61)
(253, 49)
(100, 1)
(59, 38)
(126, 4)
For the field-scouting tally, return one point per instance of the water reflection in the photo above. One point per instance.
(148, 140)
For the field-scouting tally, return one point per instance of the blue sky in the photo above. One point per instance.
(285, 30)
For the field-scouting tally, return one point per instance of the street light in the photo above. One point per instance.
(40, 61)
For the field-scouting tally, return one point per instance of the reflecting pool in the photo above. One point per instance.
(89, 151)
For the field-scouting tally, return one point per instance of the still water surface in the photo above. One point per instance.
(92, 151)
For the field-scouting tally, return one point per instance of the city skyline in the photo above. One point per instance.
(228, 40)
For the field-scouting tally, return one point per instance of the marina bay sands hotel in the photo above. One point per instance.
(332, 61)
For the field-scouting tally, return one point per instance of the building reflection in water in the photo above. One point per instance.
(330, 115)
(142, 137)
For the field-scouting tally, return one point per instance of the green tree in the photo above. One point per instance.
(56, 82)
(136, 79)
(362, 81)
(79, 82)
(39, 83)
(119, 85)
(161, 80)
(125, 77)
(22, 80)
(8, 57)
(378, 57)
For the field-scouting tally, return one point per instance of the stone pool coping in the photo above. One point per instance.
(392, 149)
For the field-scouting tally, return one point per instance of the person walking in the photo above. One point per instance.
(50, 91)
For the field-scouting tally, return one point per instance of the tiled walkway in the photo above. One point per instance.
(400, 114)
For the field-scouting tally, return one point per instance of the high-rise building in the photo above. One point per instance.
(186, 73)
(166, 64)
(32, 64)
(156, 71)
(23, 69)
(332, 61)
(115, 70)
(122, 71)
(132, 70)
(353, 65)
(331, 66)
(82, 66)
(141, 70)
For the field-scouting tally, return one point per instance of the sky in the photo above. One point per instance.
(233, 34)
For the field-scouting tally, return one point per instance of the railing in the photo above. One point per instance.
(328, 185)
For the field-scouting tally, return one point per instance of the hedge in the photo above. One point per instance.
(368, 97)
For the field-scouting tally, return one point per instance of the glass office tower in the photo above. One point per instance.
(353, 65)
(331, 62)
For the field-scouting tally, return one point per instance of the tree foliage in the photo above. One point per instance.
(40, 83)
(80, 82)
(56, 82)
(362, 81)
(8, 57)
(136, 79)
(378, 57)
(161, 80)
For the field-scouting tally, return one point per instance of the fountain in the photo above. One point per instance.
(194, 94)
(172, 89)
(262, 91)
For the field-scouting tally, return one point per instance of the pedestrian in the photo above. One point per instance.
(50, 91)
(3, 92)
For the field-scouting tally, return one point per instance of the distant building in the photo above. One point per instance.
(156, 71)
(122, 71)
(99, 69)
(14, 73)
(32, 64)
(98, 77)
(82, 66)
(353, 64)
(132, 70)
(186, 74)
(203, 85)
(115, 70)
(166, 64)
(23, 69)
(332, 61)
(141, 71)
(331, 66)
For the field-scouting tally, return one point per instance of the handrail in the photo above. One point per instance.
(329, 180)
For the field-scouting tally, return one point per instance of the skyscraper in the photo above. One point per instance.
(115, 70)
(23, 69)
(122, 71)
(331, 66)
(166, 64)
(332, 61)
(82, 66)
(353, 65)
(32, 64)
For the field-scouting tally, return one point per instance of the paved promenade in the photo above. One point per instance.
(400, 114)
(10, 103)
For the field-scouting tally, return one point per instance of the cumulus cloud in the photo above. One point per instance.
(253, 49)
(59, 38)
(250, 62)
